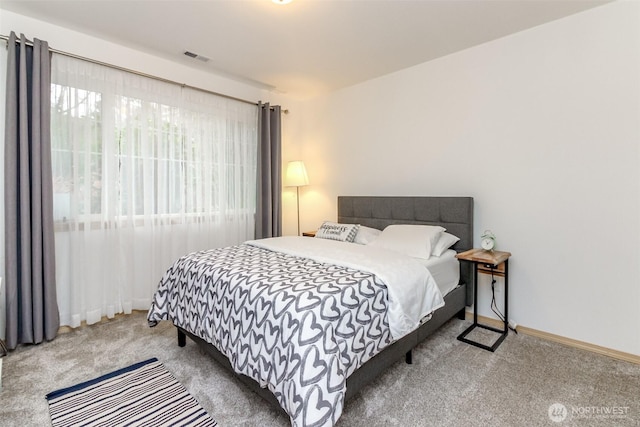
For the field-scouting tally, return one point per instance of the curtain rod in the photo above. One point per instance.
(162, 79)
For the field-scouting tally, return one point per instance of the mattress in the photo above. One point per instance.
(445, 269)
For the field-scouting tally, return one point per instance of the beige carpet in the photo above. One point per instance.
(449, 384)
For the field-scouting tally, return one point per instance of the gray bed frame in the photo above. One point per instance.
(453, 213)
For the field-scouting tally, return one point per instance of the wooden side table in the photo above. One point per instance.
(497, 264)
(309, 233)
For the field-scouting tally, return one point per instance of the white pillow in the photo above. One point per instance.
(445, 241)
(334, 231)
(413, 240)
(366, 235)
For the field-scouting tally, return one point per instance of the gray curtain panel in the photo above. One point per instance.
(32, 308)
(269, 203)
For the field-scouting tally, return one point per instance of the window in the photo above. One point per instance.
(144, 172)
(163, 160)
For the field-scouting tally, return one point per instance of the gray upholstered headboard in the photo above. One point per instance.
(453, 213)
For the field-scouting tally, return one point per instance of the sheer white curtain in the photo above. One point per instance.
(144, 172)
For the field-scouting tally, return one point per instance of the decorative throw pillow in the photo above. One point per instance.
(412, 240)
(334, 231)
(366, 235)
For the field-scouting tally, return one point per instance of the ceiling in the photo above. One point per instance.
(307, 47)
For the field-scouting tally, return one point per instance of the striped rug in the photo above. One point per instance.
(144, 394)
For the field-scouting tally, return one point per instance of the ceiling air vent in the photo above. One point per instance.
(196, 56)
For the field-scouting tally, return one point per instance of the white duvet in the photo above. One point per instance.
(413, 293)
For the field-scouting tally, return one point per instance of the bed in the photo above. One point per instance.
(316, 398)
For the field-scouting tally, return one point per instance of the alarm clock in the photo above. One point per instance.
(488, 240)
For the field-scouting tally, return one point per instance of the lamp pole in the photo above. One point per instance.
(298, 206)
(296, 176)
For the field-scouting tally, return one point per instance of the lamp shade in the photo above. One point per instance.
(296, 175)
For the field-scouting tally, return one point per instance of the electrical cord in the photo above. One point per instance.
(494, 305)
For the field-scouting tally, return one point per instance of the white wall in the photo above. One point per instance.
(542, 128)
